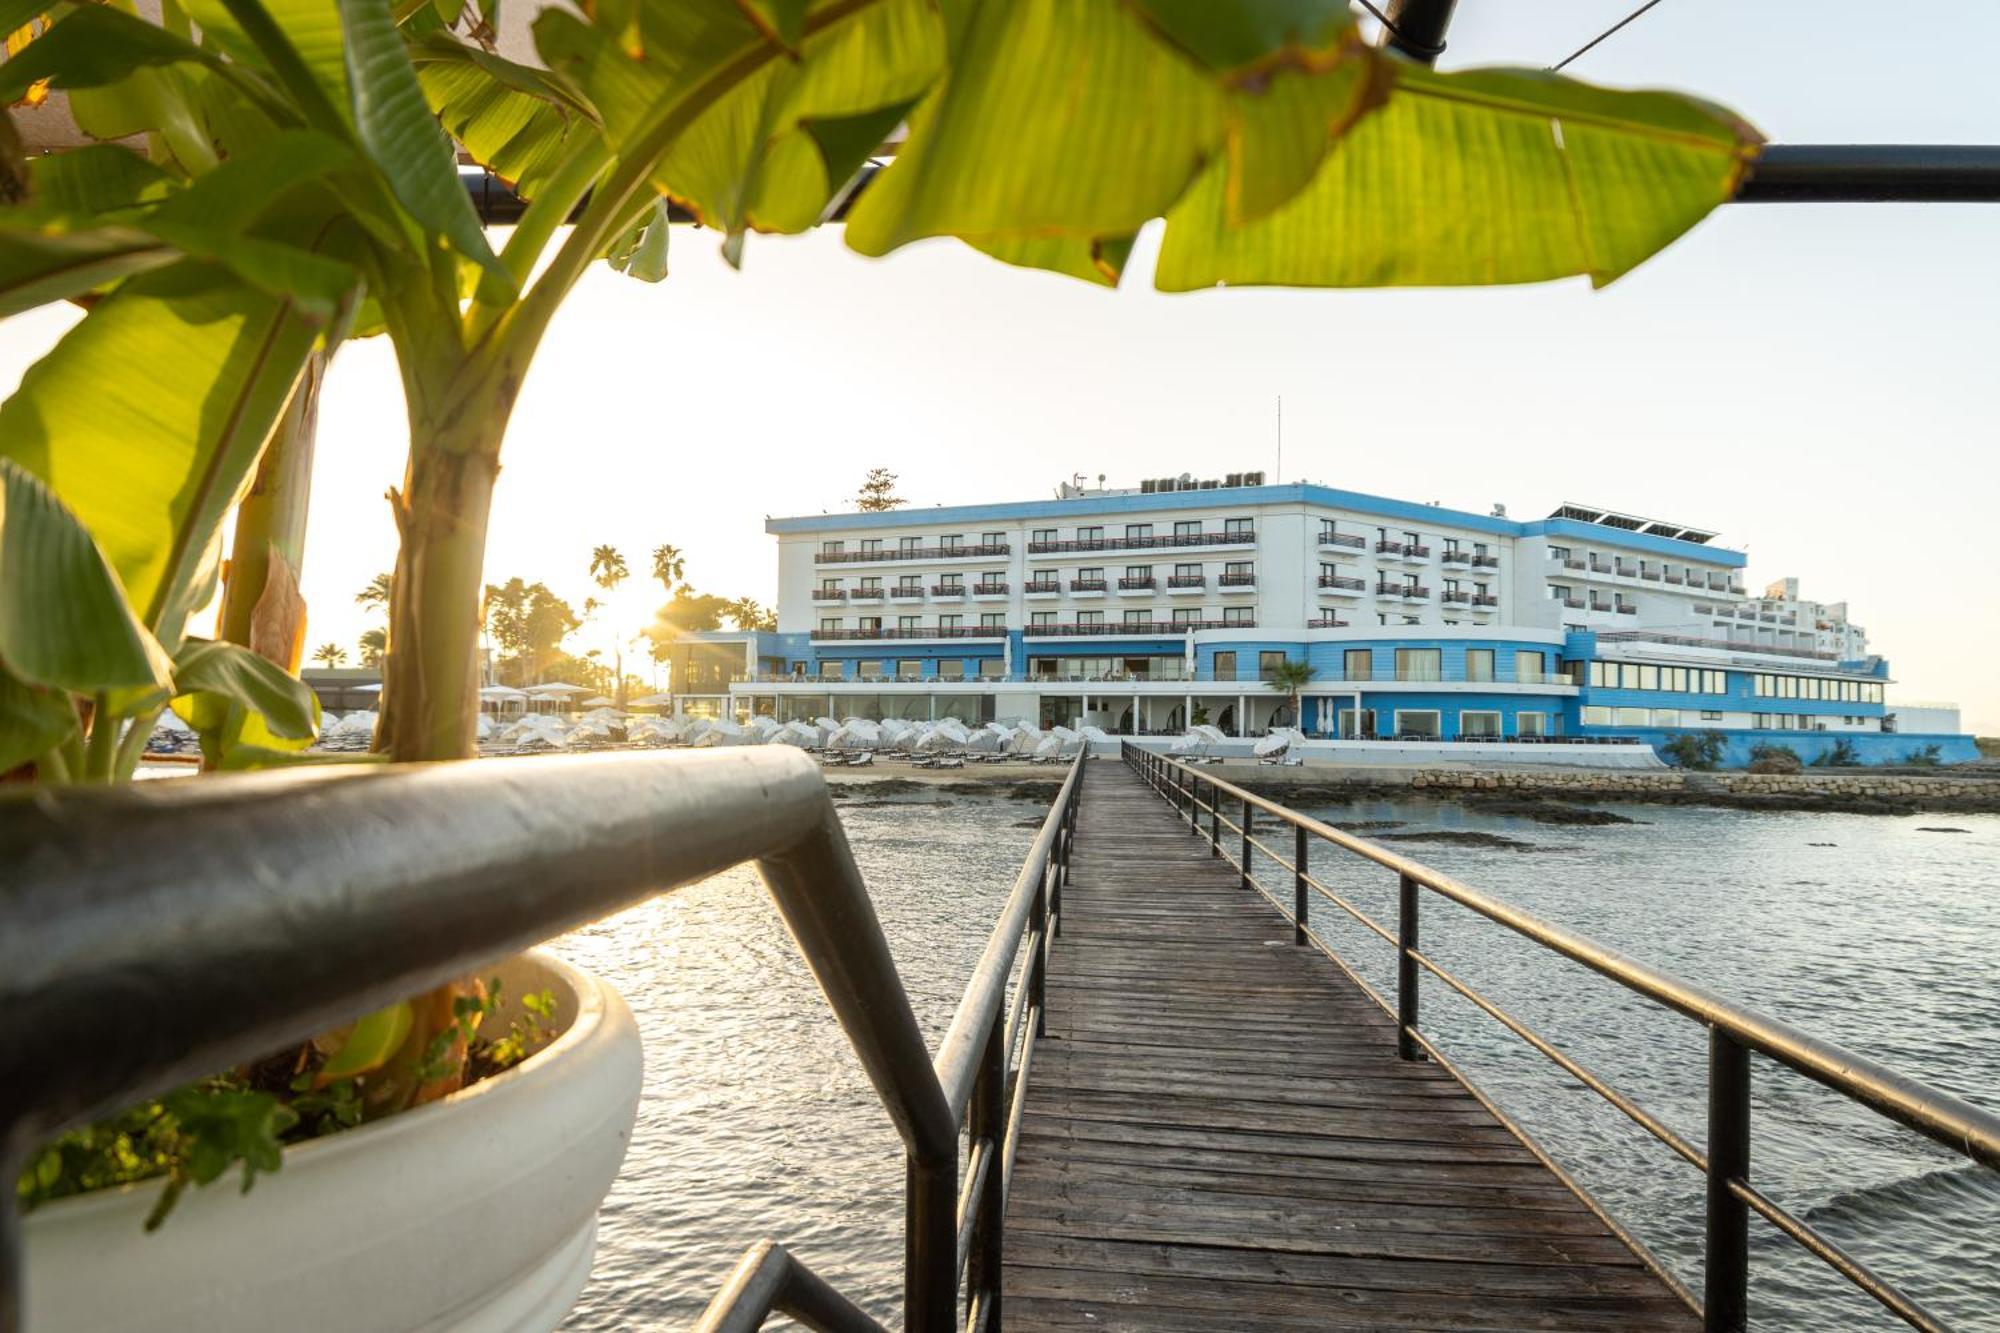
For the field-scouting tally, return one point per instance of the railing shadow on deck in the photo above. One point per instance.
(1734, 1032)
(157, 933)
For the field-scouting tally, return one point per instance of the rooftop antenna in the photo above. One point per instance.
(1278, 472)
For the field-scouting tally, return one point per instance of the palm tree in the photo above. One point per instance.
(374, 647)
(1288, 678)
(377, 592)
(331, 654)
(668, 566)
(749, 613)
(607, 566)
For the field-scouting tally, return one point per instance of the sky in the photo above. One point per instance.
(1817, 383)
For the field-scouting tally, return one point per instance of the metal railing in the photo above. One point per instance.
(321, 896)
(980, 551)
(1165, 540)
(1734, 1033)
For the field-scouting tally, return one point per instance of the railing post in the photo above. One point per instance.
(987, 1121)
(1406, 970)
(1245, 864)
(1300, 904)
(1038, 965)
(1726, 1266)
(1214, 819)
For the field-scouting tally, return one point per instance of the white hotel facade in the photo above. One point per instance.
(1141, 610)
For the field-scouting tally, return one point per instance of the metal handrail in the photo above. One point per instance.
(1734, 1032)
(159, 932)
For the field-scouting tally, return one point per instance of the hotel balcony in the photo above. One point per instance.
(1187, 583)
(1088, 587)
(1170, 540)
(1130, 629)
(998, 550)
(921, 632)
(865, 595)
(949, 592)
(1042, 588)
(1237, 581)
(1485, 600)
(1573, 603)
(906, 594)
(1327, 622)
(829, 595)
(1455, 595)
(1575, 564)
(1340, 585)
(1456, 557)
(1136, 587)
(1651, 575)
(1486, 561)
(989, 591)
(1675, 579)
(1348, 540)
(1627, 609)
(1386, 547)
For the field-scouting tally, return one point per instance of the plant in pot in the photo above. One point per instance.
(297, 185)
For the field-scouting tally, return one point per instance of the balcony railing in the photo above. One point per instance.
(1135, 585)
(829, 595)
(982, 551)
(1327, 622)
(1042, 585)
(989, 590)
(1409, 591)
(907, 594)
(1135, 629)
(1346, 539)
(1343, 582)
(1088, 585)
(1574, 564)
(1484, 599)
(948, 590)
(1454, 595)
(1416, 552)
(1187, 581)
(1456, 557)
(1651, 575)
(1237, 581)
(1627, 609)
(1675, 579)
(865, 595)
(1176, 539)
(1692, 641)
(1573, 603)
(1486, 561)
(1386, 547)
(920, 632)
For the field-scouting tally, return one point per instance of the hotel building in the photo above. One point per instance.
(1139, 611)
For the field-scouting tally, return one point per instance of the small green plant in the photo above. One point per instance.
(1770, 757)
(1698, 750)
(1924, 756)
(1840, 754)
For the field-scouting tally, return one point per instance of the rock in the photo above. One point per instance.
(1944, 829)
(1463, 838)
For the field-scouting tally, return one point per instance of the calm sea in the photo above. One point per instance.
(757, 1121)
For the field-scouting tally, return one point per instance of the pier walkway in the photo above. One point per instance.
(1218, 1133)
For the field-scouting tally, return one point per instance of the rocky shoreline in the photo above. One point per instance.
(1545, 796)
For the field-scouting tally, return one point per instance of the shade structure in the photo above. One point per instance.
(600, 702)
(502, 692)
(653, 701)
(550, 691)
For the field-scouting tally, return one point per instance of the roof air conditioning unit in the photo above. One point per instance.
(1253, 479)
(1235, 479)
(1210, 485)
(1148, 486)
(1166, 484)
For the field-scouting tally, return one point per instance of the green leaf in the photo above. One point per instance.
(369, 1044)
(1491, 176)
(1227, 36)
(148, 417)
(31, 721)
(246, 758)
(403, 137)
(299, 41)
(233, 673)
(94, 45)
(1057, 118)
(64, 621)
(84, 184)
(518, 122)
(642, 251)
(38, 267)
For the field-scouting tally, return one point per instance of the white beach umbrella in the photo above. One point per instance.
(764, 728)
(356, 724)
(1212, 735)
(1049, 746)
(1024, 739)
(1275, 743)
(600, 702)
(654, 701)
(802, 734)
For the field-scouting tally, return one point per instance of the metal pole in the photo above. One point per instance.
(1038, 918)
(988, 1129)
(1406, 971)
(1214, 819)
(1416, 28)
(1244, 865)
(1299, 905)
(1726, 1267)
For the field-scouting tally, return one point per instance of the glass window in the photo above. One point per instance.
(1140, 618)
(992, 620)
(1528, 666)
(1419, 664)
(873, 583)
(1138, 531)
(1628, 676)
(951, 582)
(1649, 678)
(1531, 724)
(832, 548)
(1666, 717)
(951, 541)
(909, 622)
(1090, 617)
(910, 583)
(992, 539)
(1479, 665)
(1238, 568)
(909, 543)
(990, 668)
(1092, 533)
(1187, 615)
(1478, 724)
(1225, 666)
(1238, 527)
(871, 623)
(1418, 723)
(951, 669)
(1357, 664)
(1138, 571)
(1268, 661)
(1040, 618)
(1187, 571)
(868, 670)
(1634, 717)
(832, 670)
(909, 669)
(950, 622)
(1042, 535)
(1596, 715)
(1237, 615)
(1187, 527)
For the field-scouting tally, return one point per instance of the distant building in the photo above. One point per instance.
(344, 689)
(1142, 610)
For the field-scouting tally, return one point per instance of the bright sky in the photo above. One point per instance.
(1815, 382)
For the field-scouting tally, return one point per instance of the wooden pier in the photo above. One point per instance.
(1218, 1133)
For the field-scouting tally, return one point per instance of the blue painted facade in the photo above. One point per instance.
(1870, 747)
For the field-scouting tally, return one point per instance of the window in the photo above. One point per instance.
(1560, 593)
(1666, 717)
(871, 545)
(1419, 664)
(828, 624)
(1187, 527)
(1633, 717)
(909, 669)
(910, 585)
(1327, 529)
(1090, 534)
(832, 548)
(952, 543)
(1531, 724)
(1418, 723)
(1238, 569)
(829, 585)
(832, 670)
(990, 668)
(1357, 664)
(1187, 571)
(1711, 715)
(1451, 585)
(1139, 573)
(1095, 574)
(871, 624)
(1138, 532)
(992, 539)
(1268, 663)
(1480, 551)
(1238, 527)
(1237, 615)
(1187, 615)
(1478, 724)
(1090, 617)
(869, 670)
(950, 622)
(873, 583)
(951, 669)
(1559, 553)
(1037, 619)
(1225, 666)
(1138, 619)
(1596, 715)
(1529, 666)
(1042, 535)
(1649, 678)
(1479, 665)
(909, 544)
(951, 583)
(992, 620)
(1451, 546)
(909, 622)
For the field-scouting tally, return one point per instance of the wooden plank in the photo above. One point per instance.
(1218, 1133)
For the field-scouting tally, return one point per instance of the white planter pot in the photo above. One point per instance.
(476, 1213)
